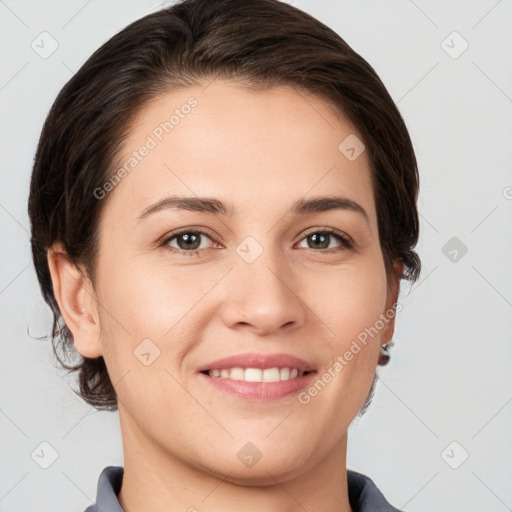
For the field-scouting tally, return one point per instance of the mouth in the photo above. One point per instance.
(256, 384)
(274, 374)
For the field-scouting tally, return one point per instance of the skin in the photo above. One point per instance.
(260, 151)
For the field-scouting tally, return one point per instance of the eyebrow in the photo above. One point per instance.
(214, 206)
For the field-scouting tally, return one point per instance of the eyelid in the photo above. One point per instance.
(345, 239)
(327, 230)
(191, 229)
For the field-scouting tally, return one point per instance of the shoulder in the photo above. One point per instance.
(364, 495)
(109, 485)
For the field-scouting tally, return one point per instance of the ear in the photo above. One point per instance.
(392, 298)
(77, 302)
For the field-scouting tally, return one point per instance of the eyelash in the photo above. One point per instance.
(346, 243)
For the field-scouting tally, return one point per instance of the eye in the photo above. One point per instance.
(320, 239)
(189, 241)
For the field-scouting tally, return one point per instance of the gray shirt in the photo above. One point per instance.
(363, 494)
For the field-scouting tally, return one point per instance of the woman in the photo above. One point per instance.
(222, 205)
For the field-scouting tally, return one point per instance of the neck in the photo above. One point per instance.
(155, 479)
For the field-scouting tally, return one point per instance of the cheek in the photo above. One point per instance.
(148, 300)
(350, 353)
(350, 304)
(347, 300)
(148, 314)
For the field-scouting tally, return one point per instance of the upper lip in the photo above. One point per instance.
(262, 361)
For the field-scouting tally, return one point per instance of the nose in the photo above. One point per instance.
(263, 296)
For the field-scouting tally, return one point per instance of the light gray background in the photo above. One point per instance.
(449, 379)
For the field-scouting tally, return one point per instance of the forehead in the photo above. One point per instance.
(249, 148)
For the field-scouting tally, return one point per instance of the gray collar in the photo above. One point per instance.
(364, 496)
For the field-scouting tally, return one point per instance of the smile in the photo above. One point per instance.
(249, 383)
(257, 374)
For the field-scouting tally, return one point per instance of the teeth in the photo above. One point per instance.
(257, 375)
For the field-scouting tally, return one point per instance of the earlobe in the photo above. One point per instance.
(390, 313)
(77, 302)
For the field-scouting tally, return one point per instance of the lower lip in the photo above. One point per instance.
(260, 391)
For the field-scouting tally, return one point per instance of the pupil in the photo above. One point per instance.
(189, 241)
(323, 238)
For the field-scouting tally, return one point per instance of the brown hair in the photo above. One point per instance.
(259, 43)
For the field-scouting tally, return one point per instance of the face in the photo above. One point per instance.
(180, 288)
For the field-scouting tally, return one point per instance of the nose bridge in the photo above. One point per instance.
(261, 262)
(262, 288)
